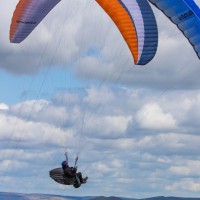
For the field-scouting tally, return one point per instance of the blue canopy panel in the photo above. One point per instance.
(151, 33)
(186, 15)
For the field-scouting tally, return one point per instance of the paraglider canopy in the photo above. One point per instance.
(186, 15)
(134, 19)
(28, 14)
(136, 22)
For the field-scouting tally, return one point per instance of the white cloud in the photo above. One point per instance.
(188, 168)
(188, 185)
(163, 159)
(7, 164)
(4, 106)
(101, 167)
(65, 98)
(197, 2)
(181, 170)
(33, 155)
(40, 110)
(22, 131)
(117, 163)
(108, 126)
(155, 156)
(99, 96)
(151, 116)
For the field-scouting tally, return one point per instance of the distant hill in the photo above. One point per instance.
(171, 198)
(106, 198)
(151, 198)
(15, 196)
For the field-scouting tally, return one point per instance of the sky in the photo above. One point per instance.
(72, 86)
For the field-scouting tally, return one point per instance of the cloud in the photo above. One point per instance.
(108, 126)
(187, 185)
(136, 129)
(27, 133)
(101, 167)
(18, 166)
(180, 170)
(99, 96)
(188, 168)
(41, 111)
(40, 130)
(63, 98)
(3, 106)
(151, 116)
